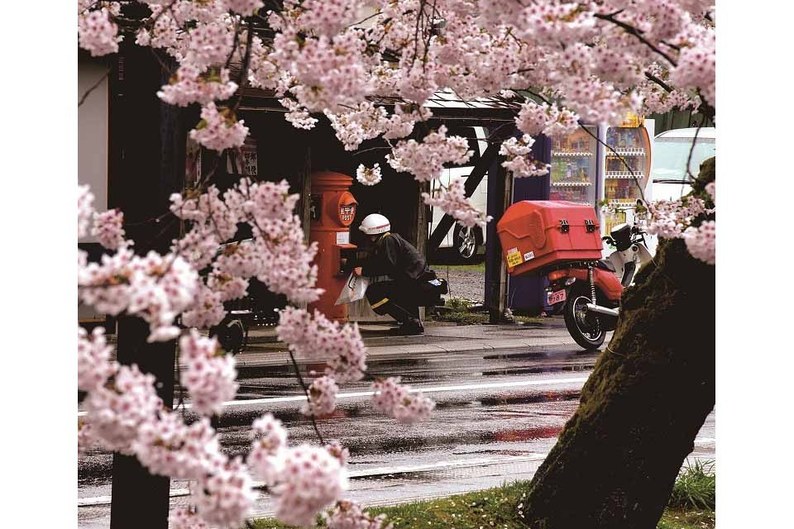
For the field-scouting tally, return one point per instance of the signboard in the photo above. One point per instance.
(514, 257)
(347, 212)
(243, 161)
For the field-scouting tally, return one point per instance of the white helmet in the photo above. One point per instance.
(374, 224)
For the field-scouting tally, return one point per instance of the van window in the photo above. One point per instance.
(670, 155)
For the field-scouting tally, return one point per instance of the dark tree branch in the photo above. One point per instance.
(93, 87)
(637, 33)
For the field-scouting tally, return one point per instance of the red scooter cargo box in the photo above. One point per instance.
(536, 233)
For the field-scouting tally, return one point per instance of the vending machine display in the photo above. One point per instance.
(574, 166)
(626, 170)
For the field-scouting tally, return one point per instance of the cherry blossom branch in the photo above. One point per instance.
(631, 30)
(306, 392)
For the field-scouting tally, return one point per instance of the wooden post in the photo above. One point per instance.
(146, 164)
(499, 197)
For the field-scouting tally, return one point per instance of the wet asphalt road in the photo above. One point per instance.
(497, 416)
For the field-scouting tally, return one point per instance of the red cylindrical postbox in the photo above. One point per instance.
(333, 209)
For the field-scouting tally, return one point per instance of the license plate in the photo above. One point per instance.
(552, 298)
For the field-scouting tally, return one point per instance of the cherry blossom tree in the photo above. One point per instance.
(369, 67)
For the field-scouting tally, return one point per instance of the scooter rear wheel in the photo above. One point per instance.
(583, 326)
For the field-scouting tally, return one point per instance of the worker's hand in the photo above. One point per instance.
(357, 271)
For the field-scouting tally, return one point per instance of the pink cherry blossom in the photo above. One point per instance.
(322, 397)
(369, 176)
(218, 129)
(349, 515)
(452, 201)
(94, 366)
(206, 311)
(169, 447)
(669, 219)
(266, 457)
(116, 412)
(244, 7)
(700, 241)
(109, 228)
(209, 375)
(397, 401)
(185, 518)
(315, 336)
(225, 496)
(85, 210)
(518, 157)
(354, 126)
(426, 160)
(97, 33)
(210, 43)
(311, 480)
(192, 85)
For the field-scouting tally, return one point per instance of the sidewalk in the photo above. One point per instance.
(438, 338)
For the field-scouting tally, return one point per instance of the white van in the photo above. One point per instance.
(671, 150)
(465, 244)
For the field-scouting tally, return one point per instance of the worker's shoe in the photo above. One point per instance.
(410, 327)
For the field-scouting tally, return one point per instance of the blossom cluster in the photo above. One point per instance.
(94, 366)
(154, 287)
(97, 33)
(518, 157)
(397, 401)
(109, 229)
(219, 129)
(700, 241)
(453, 201)
(368, 176)
(672, 219)
(322, 397)
(534, 119)
(209, 375)
(191, 85)
(426, 160)
(669, 218)
(303, 479)
(315, 336)
(350, 515)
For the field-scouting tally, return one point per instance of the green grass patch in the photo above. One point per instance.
(497, 508)
(695, 486)
(459, 311)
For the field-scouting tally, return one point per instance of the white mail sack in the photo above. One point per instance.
(354, 289)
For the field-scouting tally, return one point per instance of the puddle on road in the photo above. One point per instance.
(536, 370)
(534, 398)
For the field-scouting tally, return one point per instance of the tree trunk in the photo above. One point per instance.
(652, 388)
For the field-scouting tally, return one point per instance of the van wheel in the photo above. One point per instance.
(467, 242)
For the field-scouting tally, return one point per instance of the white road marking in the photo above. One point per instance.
(366, 473)
(424, 390)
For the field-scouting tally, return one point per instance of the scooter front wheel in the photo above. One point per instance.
(583, 325)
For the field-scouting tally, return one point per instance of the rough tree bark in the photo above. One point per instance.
(652, 388)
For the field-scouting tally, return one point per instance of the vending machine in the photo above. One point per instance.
(625, 168)
(574, 167)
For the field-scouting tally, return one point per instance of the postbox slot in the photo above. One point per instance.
(346, 258)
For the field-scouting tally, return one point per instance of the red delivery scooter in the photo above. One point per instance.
(588, 293)
(561, 240)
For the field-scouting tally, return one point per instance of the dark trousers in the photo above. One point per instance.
(398, 299)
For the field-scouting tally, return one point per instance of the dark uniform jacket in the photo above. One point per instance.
(395, 257)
